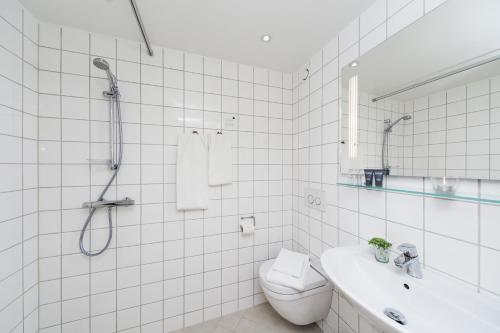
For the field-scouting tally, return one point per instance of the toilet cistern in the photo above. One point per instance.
(409, 260)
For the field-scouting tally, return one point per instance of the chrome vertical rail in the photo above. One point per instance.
(111, 134)
(135, 9)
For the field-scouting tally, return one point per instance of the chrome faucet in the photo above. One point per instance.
(409, 260)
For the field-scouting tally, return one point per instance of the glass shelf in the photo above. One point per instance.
(460, 197)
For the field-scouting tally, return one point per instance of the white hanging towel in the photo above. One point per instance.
(192, 173)
(289, 269)
(220, 161)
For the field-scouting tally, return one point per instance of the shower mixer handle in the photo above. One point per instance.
(108, 203)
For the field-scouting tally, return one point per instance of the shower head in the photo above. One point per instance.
(391, 125)
(102, 64)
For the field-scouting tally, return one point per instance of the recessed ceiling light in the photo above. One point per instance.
(354, 64)
(265, 38)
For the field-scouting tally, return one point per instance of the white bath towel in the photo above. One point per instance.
(220, 161)
(289, 269)
(192, 172)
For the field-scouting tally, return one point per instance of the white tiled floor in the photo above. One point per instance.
(259, 319)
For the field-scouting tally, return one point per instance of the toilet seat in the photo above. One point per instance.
(313, 281)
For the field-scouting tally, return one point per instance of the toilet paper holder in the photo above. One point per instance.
(247, 218)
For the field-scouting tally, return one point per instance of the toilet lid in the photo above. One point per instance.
(313, 280)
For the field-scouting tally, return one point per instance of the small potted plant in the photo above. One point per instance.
(381, 247)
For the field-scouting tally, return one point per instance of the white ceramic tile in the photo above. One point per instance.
(454, 257)
(156, 59)
(128, 71)
(212, 66)
(229, 70)
(372, 39)
(432, 4)
(245, 73)
(372, 203)
(348, 314)
(405, 16)
(372, 17)
(74, 85)
(75, 63)
(405, 209)
(12, 12)
(75, 40)
(370, 227)
(193, 63)
(452, 218)
(102, 45)
(489, 226)
(489, 270)
(330, 50)
(49, 82)
(395, 5)
(128, 50)
(50, 35)
(151, 75)
(349, 35)
(173, 59)
(397, 234)
(12, 66)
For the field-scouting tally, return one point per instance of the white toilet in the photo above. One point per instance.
(298, 307)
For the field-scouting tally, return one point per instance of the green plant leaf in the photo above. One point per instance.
(380, 243)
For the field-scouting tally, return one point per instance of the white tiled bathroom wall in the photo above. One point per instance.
(18, 169)
(165, 269)
(456, 238)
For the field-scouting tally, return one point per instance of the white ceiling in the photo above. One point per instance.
(227, 29)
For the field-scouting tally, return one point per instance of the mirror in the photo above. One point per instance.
(426, 102)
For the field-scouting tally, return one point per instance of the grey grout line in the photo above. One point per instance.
(424, 211)
(466, 126)
(89, 191)
(238, 173)
(164, 225)
(22, 177)
(140, 190)
(38, 175)
(489, 122)
(61, 180)
(479, 183)
(116, 233)
(183, 213)
(204, 217)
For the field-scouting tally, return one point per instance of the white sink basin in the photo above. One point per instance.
(432, 304)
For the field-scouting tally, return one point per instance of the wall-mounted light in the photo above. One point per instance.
(354, 64)
(353, 117)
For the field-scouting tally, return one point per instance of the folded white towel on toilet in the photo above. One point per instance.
(291, 263)
(289, 269)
